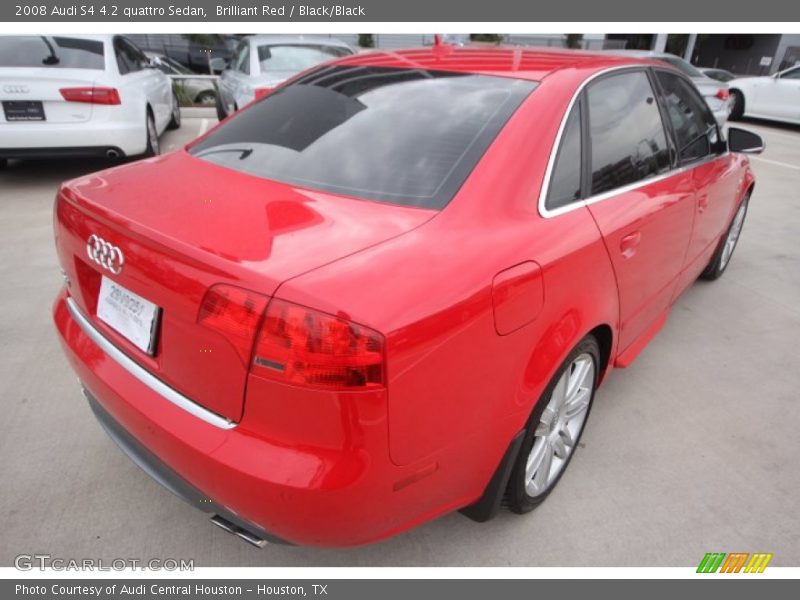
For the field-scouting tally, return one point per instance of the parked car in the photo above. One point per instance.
(403, 307)
(81, 95)
(718, 74)
(262, 62)
(194, 52)
(775, 97)
(716, 93)
(200, 91)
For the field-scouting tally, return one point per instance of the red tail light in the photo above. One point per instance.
(723, 94)
(92, 95)
(261, 92)
(235, 313)
(301, 346)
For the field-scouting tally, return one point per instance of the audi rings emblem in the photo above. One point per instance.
(105, 254)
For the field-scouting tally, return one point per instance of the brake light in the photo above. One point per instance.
(301, 346)
(92, 95)
(263, 91)
(235, 313)
(723, 94)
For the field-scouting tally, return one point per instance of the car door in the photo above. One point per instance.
(781, 99)
(642, 205)
(233, 79)
(702, 153)
(138, 79)
(157, 86)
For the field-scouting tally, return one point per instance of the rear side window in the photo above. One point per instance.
(628, 143)
(403, 136)
(50, 51)
(694, 126)
(565, 179)
(129, 58)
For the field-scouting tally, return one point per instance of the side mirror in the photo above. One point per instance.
(747, 142)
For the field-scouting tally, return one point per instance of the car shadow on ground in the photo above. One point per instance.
(777, 125)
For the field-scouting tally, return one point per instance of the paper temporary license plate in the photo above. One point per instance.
(129, 314)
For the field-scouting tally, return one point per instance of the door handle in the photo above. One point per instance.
(630, 243)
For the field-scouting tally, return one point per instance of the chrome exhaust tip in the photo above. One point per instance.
(234, 529)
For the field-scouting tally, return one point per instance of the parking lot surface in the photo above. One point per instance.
(692, 449)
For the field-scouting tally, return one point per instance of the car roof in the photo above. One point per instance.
(296, 39)
(510, 61)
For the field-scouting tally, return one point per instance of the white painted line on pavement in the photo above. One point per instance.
(775, 162)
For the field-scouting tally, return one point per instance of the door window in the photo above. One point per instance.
(793, 74)
(242, 60)
(565, 179)
(627, 136)
(694, 126)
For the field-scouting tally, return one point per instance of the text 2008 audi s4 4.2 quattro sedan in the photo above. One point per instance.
(389, 289)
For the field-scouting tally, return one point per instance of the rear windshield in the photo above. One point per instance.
(50, 51)
(403, 136)
(682, 66)
(296, 57)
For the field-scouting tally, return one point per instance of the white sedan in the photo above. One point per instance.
(81, 95)
(261, 62)
(776, 97)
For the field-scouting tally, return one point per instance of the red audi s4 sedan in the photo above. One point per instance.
(389, 289)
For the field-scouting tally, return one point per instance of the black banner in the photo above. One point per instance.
(264, 11)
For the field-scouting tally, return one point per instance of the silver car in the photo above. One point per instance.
(261, 62)
(716, 93)
(198, 90)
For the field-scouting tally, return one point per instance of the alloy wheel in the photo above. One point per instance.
(733, 236)
(152, 135)
(560, 425)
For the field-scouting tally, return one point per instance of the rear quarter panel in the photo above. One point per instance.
(452, 380)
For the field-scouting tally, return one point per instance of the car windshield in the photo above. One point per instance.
(402, 136)
(51, 51)
(296, 57)
(681, 65)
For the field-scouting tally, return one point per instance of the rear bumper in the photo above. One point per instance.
(36, 139)
(278, 490)
(168, 478)
(63, 152)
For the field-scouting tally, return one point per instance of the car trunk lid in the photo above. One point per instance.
(184, 225)
(33, 85)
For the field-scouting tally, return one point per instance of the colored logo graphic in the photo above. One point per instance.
(737, 562)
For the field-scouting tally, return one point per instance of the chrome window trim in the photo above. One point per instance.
(584, 202)
(144, 376)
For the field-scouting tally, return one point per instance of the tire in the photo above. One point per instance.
(724, 252)
(3, 163)
(550, 422)
(737, 112)
(206, 98)
(221, 114)
(175, 118)
(153, 146)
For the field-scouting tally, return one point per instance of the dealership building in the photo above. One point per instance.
(742, 54)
